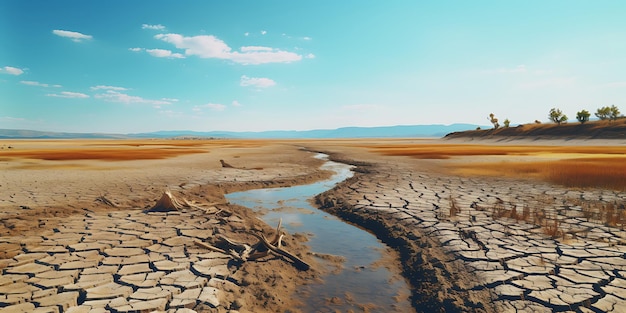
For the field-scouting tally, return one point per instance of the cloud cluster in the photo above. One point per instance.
(75, 36)
(208, 46)
(104, 87)
(259, 82)
(38, 84)
(68, 94)
(162, 53)
(112, 95)
(159, 53)
(153, 27)
(12, 70)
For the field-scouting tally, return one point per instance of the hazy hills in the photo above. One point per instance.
(344, 132)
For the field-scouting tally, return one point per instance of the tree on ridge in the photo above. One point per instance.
(507, 122)
(492, 118)
(583, 116)
(557, 116)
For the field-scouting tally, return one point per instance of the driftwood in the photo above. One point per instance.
(169, 203)
(244, 252)
(226, 165)
(105, 201)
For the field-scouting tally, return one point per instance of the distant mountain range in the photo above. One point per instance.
(344, 132)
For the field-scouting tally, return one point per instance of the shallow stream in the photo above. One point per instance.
(361, 282)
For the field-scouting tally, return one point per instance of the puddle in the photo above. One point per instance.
(361, 282)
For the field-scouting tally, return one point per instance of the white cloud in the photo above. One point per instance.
(12, 119)
(307, 38)
(115, 96)
(135, 49)
(162, 53)
(154, 27)
(236, 103)
(75, 36)
(255, 48)
(246, 34)
(310, 56)
(12, 70)
(68, 94)
(208, 46)
(170, 99)
(104, 87)
(259, 82)
(211, 106)
(263, 32)
(38, 84)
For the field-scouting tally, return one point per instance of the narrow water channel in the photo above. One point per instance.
(360, 283)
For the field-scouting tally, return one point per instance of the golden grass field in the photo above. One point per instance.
(115, 150)
(572, 166)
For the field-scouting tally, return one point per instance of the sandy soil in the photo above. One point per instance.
(53, 189)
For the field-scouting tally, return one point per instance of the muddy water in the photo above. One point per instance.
(358, 283)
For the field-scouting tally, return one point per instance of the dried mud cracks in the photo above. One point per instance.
(120, 262)
(522, 268)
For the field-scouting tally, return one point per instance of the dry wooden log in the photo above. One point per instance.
(244, 252)
(298, 263)
(226, 165)
(106, 201)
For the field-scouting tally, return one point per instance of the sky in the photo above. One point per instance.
(139, 66)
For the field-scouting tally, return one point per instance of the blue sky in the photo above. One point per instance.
(137, 66)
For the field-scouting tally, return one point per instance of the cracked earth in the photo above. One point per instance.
(555, 257)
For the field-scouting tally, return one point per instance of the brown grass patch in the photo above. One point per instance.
(609, 172)
(108, 154)
(445, 151)
(116, 150)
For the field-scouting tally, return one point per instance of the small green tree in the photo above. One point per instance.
(603, 113)
(614, 112)
(507, 122)
(557, 116)
(583, 116)
(492, 118)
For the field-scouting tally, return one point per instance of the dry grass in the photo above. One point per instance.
(445, 151)
(608, 172)
(115, 150)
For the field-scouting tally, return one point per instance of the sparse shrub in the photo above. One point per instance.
(454, 208)
(537, 122)
(507, 123)
(583, 116)
(557, 116)
(551, 228)
(608, 113)
(494, 120)
(614, 113)
(478, 128)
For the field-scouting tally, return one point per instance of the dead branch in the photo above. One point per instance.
(298, 263)
(245, 252)
(106, 201)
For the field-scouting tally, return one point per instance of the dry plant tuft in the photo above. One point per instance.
(552, 228)
(454, 208)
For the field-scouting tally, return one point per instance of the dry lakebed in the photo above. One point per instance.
(467, 226)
